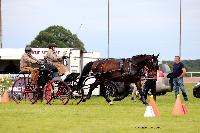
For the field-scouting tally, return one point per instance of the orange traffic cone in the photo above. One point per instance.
(185, 110)
(179, 108)
(154, 106)
(5, 97)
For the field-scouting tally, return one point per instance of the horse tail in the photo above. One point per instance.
(87, 68)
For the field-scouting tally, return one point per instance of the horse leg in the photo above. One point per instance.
(153, 89)
(139, 87)
(146, 88)
(134, 93)
(92, 87)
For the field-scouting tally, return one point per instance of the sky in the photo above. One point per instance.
(136, 26)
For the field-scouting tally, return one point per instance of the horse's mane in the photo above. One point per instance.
(139, 57)
(135, 58)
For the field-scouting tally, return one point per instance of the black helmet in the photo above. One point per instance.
(28, 49)
(52, 45)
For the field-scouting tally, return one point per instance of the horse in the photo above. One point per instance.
(129, 70)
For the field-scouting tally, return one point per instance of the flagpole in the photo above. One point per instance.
(1, 45)
(108, 28)
(180, 41)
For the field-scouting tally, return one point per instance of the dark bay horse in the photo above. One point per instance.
(128, 70)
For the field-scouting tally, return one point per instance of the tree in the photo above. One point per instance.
(59, 35)
(190, 65)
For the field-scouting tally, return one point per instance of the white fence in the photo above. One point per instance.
(192, 74)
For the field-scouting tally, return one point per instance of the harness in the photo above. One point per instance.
(121, 68)
(130, 71)
(121, 65)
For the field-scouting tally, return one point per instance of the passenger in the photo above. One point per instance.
(25, 64)
(53, 59)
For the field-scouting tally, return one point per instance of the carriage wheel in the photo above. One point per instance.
(56, 89)
(110, 89)
(48, 93)
(76, 96)
(24, 90)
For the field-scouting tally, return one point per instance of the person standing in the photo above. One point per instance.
(179, 72)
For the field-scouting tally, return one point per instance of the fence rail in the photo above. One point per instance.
(193, 74)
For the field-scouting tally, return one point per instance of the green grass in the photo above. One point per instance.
(96, 116)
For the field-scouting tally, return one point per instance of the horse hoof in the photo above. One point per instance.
(117, 99)
(88, 97)
(132, 98)
(84, 100)
(110, 103)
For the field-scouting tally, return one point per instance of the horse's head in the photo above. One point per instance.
(152, 64)
(149, 61)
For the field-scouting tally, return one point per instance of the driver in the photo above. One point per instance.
(25, 64)
(53, 59)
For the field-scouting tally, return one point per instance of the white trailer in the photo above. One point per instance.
(76, 59)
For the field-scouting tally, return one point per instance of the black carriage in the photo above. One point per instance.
(49, 88)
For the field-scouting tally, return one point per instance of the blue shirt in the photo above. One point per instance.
(177, 69)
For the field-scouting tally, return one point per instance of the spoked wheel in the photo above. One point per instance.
(76, 96)
(24, 90)
(110, 89)
(56, 89)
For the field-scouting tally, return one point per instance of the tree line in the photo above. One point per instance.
(190, 65)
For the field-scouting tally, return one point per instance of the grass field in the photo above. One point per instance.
(96, 116)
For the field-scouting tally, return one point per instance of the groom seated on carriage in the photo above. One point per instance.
(52, 59)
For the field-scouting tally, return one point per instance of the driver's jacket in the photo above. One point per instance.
(53, 59)
(51, 56)
(26, 61)
(25, 65)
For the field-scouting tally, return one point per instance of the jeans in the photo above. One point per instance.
(178, 83)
